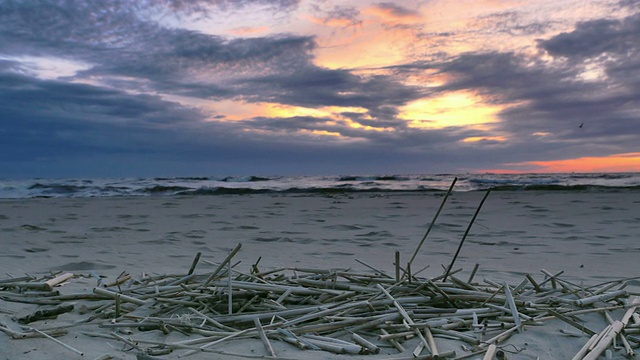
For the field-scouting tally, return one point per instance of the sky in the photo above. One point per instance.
(121, 88)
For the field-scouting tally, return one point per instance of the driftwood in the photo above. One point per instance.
(45, 313)
(340, 311)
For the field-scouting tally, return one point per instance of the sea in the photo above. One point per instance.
(335, 184)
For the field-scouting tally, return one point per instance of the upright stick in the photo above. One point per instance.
(230, 289)
(433, 221)
(446, 274)
(194, 263)
(397, 266)
(229, 257)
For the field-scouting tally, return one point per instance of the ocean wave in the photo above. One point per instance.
(339, 184)
(54, 189)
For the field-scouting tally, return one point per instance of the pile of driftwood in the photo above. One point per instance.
(339, 311)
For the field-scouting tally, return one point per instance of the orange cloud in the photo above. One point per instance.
(248, 30)
(627, 162)
(337, 22)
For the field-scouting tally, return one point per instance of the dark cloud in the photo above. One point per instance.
(397, 10)
(199, 6)
(71, 116)
(596, 37)
(510, 23)
(115, 41)
(315, 87)
(347, 14)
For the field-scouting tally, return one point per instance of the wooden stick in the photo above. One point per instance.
(209, 344)
(58, 342)
(571, 322)
(263, 337)
(444, 200)
(126, 341)
(336, 347)
(194, 263)
(432, 342)
(222, 264)
(397, 263)
(230, 290)
(533, 282)
(465, 236)
(503, 335)
(456, 334)
(512, 307)
(374, 349)
(45, 313)
(374, 269)
(299, 342)
(112, 295)
(317, 314)
(124, 277)
(606, 340)
(473, 273)
(118, 300)
(416, 352)
(393, 342)
(404, 314)
(57, 280)
(602, 297)
(45, 286)
(585, 348)
(491, 352)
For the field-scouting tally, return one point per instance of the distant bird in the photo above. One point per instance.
(581, 125)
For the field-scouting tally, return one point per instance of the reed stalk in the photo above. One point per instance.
(464, 237)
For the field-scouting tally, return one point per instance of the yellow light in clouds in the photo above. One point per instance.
(237, 110)
(327, 112)
(454, 109)
(474, 139)
(232, 110)
(279, 110)
(321, 133)
(541, 133)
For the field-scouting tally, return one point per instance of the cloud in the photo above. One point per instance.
(121, 47)
(396, 13)
(512, 23)
(141, 91)
(596, 37)
(61, 117)
(338, 16)
(553, 98)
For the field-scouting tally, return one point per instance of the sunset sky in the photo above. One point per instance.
(112, 88)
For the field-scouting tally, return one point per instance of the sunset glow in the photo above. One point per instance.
(451, 110)
(628, 162)
(368, 86)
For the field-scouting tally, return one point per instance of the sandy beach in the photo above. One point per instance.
(591, 236)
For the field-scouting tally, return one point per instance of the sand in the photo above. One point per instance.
(592, 237)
